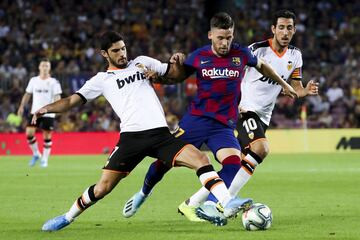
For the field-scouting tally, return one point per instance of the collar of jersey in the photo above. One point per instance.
(274, 50)
(114, 68)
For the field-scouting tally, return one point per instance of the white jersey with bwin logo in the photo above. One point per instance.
(130, 94)
(258, 93)
(43, 93)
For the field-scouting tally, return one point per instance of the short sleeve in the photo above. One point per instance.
(190, 60)
(92, 88)
(252, 59)
(189, 63)
(30, 86)
(299, 62)
(57, 88)
(297, 73)
(153, 64)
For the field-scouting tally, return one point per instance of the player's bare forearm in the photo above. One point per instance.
(175, 75)
(266, 70)
(25, 99)
(166, 80)
(60, 106)
(299, 88)
(63, 104)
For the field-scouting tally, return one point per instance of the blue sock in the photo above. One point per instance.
(231, 166)
(155, 173)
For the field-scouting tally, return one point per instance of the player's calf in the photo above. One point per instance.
(248, 165)
(251, 161)
(46, 152)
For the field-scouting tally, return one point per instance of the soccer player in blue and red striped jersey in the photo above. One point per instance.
(218, 81)
(212, 115)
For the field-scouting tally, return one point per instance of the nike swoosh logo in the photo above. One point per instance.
(203, 62)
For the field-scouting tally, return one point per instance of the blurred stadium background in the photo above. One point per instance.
(64, 32)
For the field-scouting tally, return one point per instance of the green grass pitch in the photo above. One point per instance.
(312, 196)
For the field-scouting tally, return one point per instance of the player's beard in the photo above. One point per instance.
(114, 63)
(222, 51)
(281, 44)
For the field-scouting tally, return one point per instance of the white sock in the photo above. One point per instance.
(212, 182)
(199, 197)
(47, 150)
(34, 146)
(79, 206)
(242, 176)
(73, 212)
(240, 179)
(251, 160)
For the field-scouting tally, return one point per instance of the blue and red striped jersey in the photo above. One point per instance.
(218, 81)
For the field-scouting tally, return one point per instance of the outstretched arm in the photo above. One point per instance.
(60, 106)
(176, 74)
(266, 70)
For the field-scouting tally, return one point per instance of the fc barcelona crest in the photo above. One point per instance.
(236, 61)
(289, 65)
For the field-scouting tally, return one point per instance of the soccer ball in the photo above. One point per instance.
(258, 217)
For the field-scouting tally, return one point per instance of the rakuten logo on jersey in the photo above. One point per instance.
(220, 73)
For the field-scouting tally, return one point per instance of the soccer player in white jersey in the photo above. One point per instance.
(259, 95)
(144, 131)
(44, 90)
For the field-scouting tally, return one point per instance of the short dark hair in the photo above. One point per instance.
(221, 20)
(106, 39)
(44, 60)
(284, 13)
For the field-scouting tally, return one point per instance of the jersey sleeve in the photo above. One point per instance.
(30, 86)
(92, 88)
(153, 64)
(297, 73)
(252, 59)
(191, 60)
(57, 88)
(190, 63)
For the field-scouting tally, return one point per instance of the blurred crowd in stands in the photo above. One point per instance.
(64, 31)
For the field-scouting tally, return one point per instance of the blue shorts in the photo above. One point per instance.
(198, 130)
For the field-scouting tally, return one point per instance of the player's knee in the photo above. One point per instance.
(261, 149)
(31, 139)
(264, 151)
(192, 157)
(201, 160)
